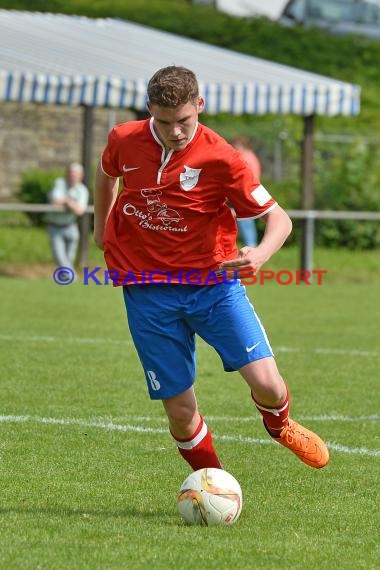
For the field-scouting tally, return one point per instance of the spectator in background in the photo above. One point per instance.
(63, 228)
(247, 228)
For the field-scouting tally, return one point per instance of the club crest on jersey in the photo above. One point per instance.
(189, 178)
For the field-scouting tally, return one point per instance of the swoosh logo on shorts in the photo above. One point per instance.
(250, 348)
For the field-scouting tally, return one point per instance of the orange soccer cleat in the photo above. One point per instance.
(308, 447)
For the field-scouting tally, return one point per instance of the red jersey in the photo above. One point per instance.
(172, 216)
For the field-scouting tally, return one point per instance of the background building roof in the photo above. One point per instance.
(74, 60)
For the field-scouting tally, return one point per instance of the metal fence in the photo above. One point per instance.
(307, 238)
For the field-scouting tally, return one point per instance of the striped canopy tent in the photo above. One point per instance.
(72, 60)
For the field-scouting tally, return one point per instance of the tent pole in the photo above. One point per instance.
(87, 140)
(307, 199)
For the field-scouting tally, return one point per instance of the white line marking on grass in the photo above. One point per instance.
(353, 450)
(344, 352)
(334, 351)
(109, 425)
(128, 341)
(256, 417)
(80, 340)
(80, 422)
(323, 418)
(242, 439)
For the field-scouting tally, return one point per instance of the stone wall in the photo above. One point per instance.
(36, 136)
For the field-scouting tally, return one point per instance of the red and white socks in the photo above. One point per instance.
(275, 419)
(198, 450)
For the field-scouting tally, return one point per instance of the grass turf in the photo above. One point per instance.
(89, 474)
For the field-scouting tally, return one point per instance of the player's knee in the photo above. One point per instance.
(265, 381)
(269, 394)
(181, 415)
(179, 412)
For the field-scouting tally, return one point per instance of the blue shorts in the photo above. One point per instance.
(163, 320)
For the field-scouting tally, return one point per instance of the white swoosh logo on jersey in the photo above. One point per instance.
(126, 169)
(250, 348)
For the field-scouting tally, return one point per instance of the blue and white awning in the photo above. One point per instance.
(72, 60)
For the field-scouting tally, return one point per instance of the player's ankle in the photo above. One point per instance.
(274, 432)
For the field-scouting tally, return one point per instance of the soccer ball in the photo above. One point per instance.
(210, 497)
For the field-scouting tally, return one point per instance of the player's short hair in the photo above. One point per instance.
(173, 86)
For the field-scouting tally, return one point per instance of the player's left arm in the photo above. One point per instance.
(278, 227)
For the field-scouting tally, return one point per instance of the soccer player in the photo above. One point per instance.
(169, 238)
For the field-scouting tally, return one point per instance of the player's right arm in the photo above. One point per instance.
(106, 189)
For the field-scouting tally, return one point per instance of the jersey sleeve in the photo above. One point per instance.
(110, 157)
(247, 195)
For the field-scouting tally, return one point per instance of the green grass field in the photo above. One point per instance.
(89, 474)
